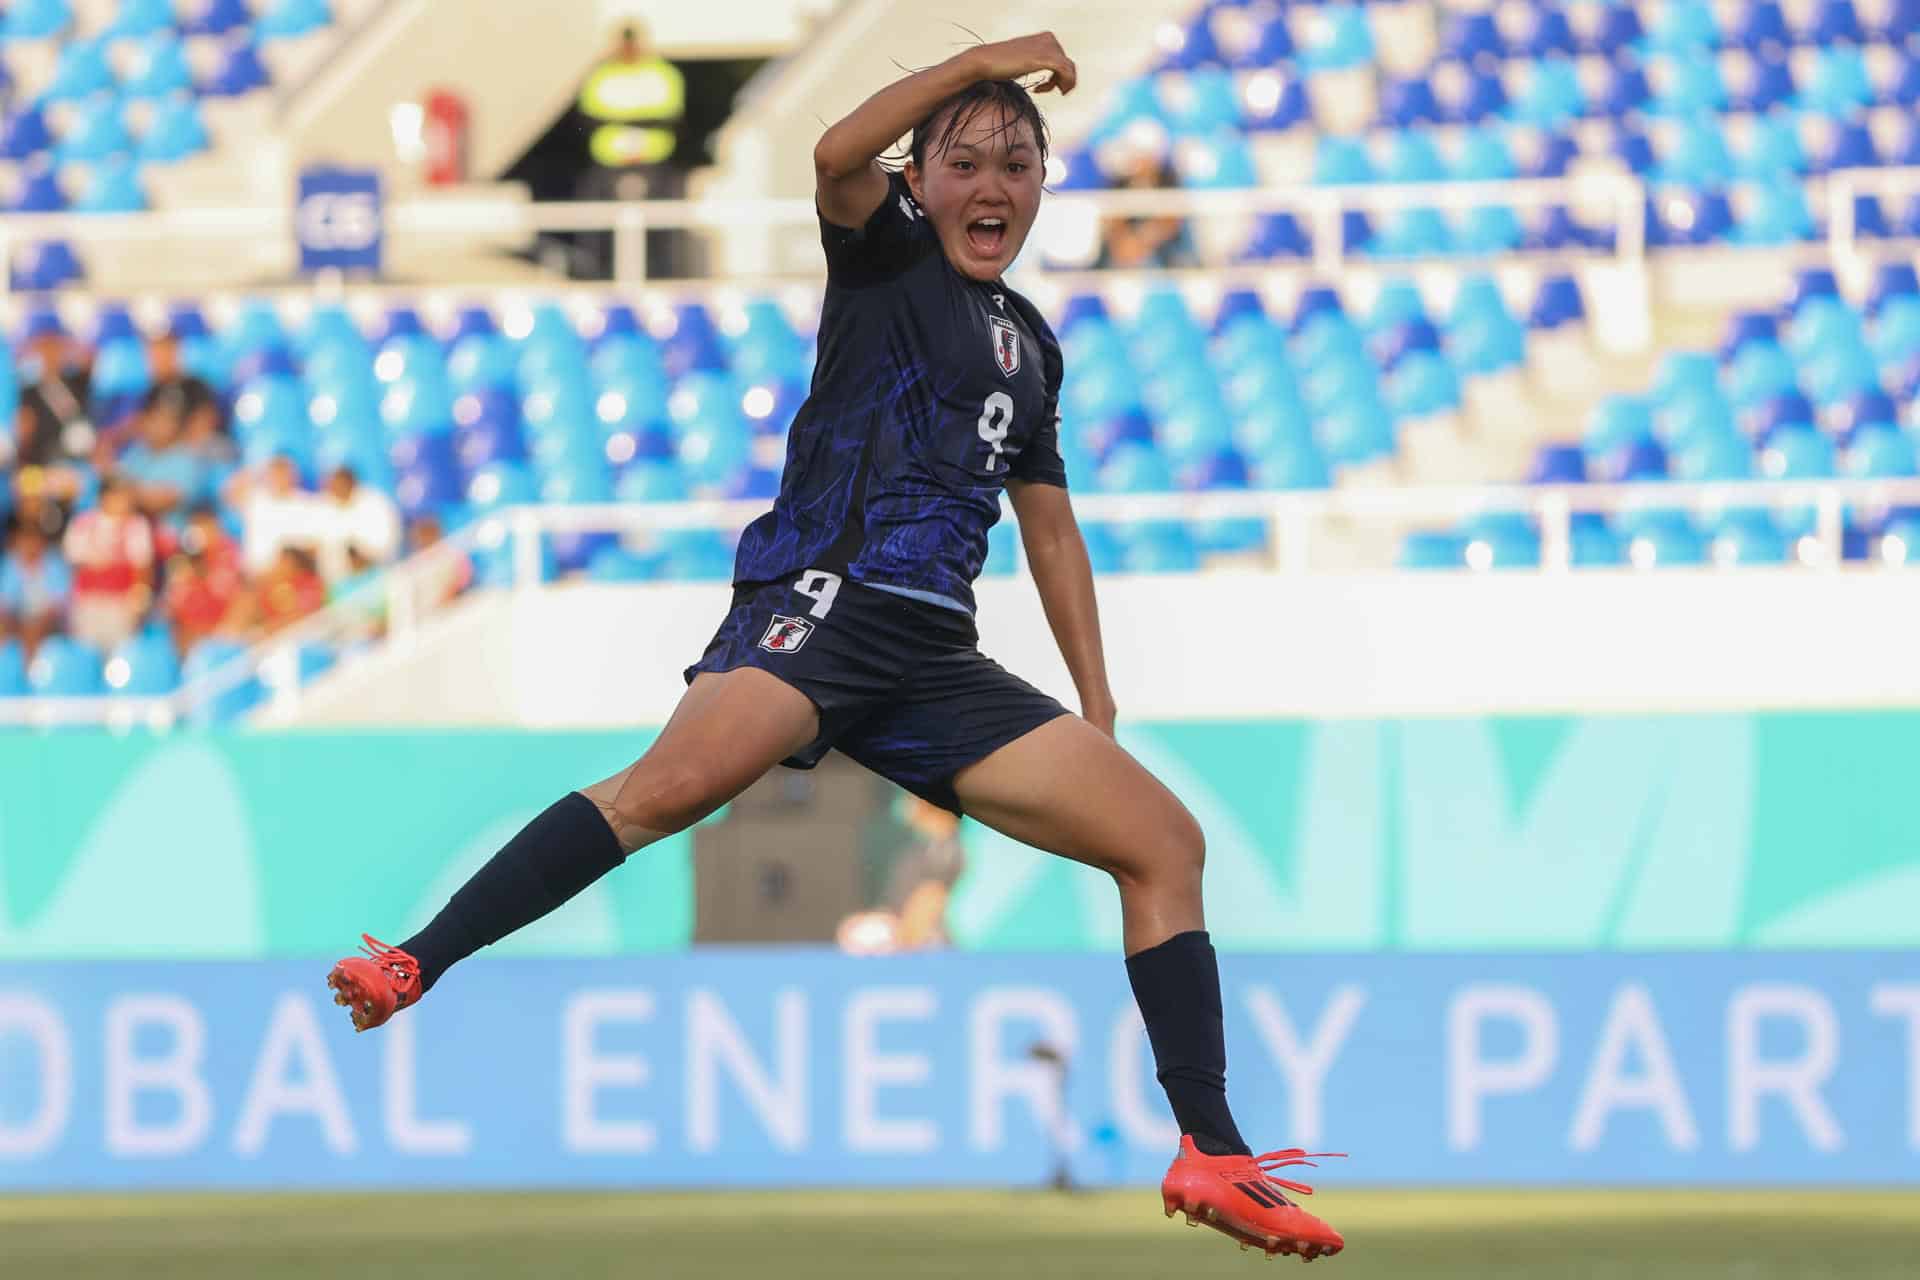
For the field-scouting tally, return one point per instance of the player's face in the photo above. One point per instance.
(981, 192)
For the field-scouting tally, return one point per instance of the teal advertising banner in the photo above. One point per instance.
(1655, 833)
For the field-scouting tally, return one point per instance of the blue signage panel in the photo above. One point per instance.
(338, 220)
(807, 1067)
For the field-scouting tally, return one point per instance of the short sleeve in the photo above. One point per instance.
(1040, 461)
(896, 235)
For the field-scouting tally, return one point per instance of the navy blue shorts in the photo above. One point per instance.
(901, 685)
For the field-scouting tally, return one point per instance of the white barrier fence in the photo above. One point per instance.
(413, 591)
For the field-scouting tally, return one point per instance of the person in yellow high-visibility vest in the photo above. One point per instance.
(636, 100)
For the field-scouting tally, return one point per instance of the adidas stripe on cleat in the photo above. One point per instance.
(1240, 1197)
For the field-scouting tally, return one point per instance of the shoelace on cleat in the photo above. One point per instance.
(396, 961)
(1292, 1156)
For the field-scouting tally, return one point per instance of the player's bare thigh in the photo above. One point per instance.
(1069, 789)
(729, 728)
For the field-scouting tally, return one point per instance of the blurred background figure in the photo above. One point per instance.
(351, 517)
(634, 103)
(35, 585)
(276, 512)
(1143, 242)
(111, 549)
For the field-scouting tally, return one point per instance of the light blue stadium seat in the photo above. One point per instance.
(143, 667)
(1220, 161)
(1693, 414)
(64, 668)
(1684, 26)
(1592, 542)
(417, 404)
(1359, 429)
(1423, 385)
(81, 72)
(1617, 422)
(1881, 452)
(500, 485)
(1778, 214)
(1484, 156)
(175, 131)
(1336, 379)
(136, 18)
(288, 19)
(160, 68)
(1391, 346)
(1398, 302)
(1501, 540)
(96, 133)
(1160, 546)
(1773, 150)
(1839, 83)
(114, 188)
(1551, 95)
(1686, 86)
(1291, 464)
(1895, 336)
(1699, 157)
(716, 452)
(1340, 161)
(1834, 372)
(1413, 157)
(1412, 233)
(1747, 536)
(120, 367)
(577, 482)
(1713, 455)
(1797, 453)
(35, 19)
(1488, 229)
(13, 669)
(1338, 37)
(1433, 549)
(1135, 468)
(1685, 372)
(1201, 103)
(1666, 544)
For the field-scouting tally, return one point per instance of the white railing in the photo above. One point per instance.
(1296, 522)
(1844, 186)
(1320, 209)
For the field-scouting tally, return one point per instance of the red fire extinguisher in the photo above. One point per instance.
(446, 129)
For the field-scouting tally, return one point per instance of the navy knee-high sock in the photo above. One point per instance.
(1177, 986)
(555, 856)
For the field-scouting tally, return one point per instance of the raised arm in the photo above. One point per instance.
(1064, 577)
(849, 184)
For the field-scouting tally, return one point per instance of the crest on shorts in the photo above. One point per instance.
(785, 634)
(1006, 344)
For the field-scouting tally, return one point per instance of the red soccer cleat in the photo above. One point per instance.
(1239, 1195)
(377, 985)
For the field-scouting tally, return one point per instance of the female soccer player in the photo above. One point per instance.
(852, 619)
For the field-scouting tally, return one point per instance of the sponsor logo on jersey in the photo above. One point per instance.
(1006, 344)
(785, 634)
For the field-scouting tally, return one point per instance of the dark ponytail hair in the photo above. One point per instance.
(1007, 100)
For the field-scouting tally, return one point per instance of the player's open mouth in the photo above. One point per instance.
(986, 235)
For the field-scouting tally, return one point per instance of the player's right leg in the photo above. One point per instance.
(728, 729)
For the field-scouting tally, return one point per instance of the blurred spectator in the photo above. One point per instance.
(290, 589)
(111, 550)
(919, 876)
(35, 586)
(634, 103)
(360, 596)
(204, 580)
(173, 387)
(168, 474)
(274, 514)
(54, 438)
(1147, 242)
(349, 514)
(442, 577)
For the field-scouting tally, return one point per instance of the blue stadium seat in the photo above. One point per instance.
(1557, 302)
(24, 133)
(1684, 26)
(1902, 89)
(215, 17)
(1834, 22)
(1277, 235)
(81, 72)
(1617, 28)
(1593, 543)
(240, 70)
(1896, 330)
(1761, 24)
(1851, 146)
(1778, 214)
(1634, 149)
(1551, 95)
(120, 368)
(35, 19)
(115, 188)
(1839, 83)
(1474, 38)
(1408, 103)
(1871, 407)
(1546, 32)
(1501, 545)
(1746, 536)
(1482, 96)
(1797, 453)
(1760, 371)
(96, 133)
(1274, 105)
(1768, 83)
(1666, 544)
(1412, 233)
(64, 668)
(1341, 161)
(1713, 455)
(1881, 452)
(1558, 464)
(1686, 86)
(1745, 327)
(1699, 157)
(13, 669)
(143, 667)
(288, 19)
(1617, 422)
(1432, 549)
(175, 131)
(1625, 90)
(1900, 20)
(1483, 156)
(1640, 460)
(159, 68)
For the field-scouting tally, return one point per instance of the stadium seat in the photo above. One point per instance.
(1797, 453)
(289, 19)
(1430, 549)
(240, 71)
(1666, 544)
(1713, 455)
(1546, 32)
(35, 19)
(175, 131)
(1684, 26)
(1747, 537)
(13, 669)
(96, 133)
(82, 71)
(115, 188)
(1551, 95)
(1834, 22)
(1881, 452)
(64, 668)
(215, 17)
(134, 18)
(1760, 24)
(1339, 37)
(144, 666)
(1839, 83)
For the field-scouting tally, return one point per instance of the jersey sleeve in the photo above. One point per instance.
(896, 235)
(1040, 461)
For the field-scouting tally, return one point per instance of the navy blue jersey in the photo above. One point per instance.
(930, 392)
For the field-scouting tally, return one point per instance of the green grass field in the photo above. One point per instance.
(965, 1235)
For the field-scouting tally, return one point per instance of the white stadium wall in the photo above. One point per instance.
(1224, 645)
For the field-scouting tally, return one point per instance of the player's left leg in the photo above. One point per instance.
(1069, 789)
